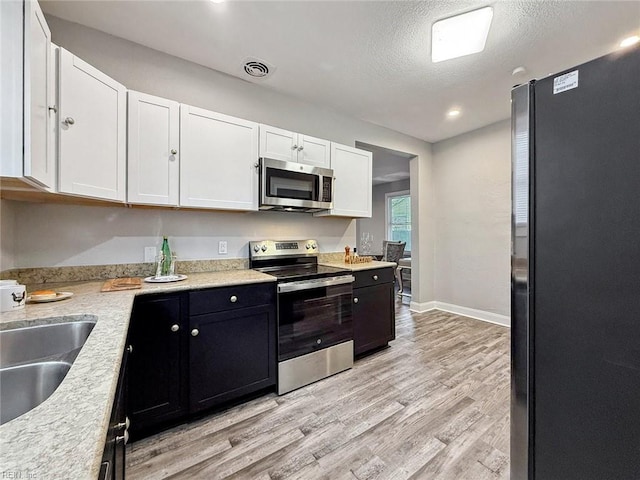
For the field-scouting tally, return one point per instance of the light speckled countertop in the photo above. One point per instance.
(64, 436)
(356, 267)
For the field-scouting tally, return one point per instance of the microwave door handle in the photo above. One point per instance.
(312, 284)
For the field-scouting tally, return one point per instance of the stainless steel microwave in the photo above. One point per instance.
(294, 187)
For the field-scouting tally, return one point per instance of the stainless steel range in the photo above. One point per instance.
(315, 332)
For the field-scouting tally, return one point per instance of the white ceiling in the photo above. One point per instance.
(371, 59)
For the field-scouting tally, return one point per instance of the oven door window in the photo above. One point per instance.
(285, 184)
(310, 320)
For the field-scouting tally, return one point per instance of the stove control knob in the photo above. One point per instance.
(308, 245)
(264, 248)
(314, 246)
(256, 248)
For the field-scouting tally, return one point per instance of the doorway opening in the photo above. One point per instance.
(391, 218)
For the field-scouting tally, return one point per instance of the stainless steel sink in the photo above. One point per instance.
(34, 362)
(31, 344)
(26, 386)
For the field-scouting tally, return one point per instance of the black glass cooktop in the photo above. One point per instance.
(302, 272)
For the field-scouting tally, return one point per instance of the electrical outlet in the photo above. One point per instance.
(222, 247)
(149, 254)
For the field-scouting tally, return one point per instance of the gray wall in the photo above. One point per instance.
(7, 235)
(154, 72)
(377, 225)
(472, 175)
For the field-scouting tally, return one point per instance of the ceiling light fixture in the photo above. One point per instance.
(460, 35)
(454, 112)
(627, 42)
(217, 1)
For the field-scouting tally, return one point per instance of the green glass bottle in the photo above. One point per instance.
(166, 256)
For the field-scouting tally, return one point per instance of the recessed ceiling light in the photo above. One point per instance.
(460, 35)
(454, 112)
(627, 42)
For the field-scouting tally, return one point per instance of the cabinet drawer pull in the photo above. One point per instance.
(174, 151)
(126, 424)
(175, 328)
(233, 299)
(355, 300)
(375, 277)
(194, 332)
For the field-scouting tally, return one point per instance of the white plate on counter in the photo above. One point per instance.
(166, 279)
(59, 296)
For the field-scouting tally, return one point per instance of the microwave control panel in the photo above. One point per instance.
(327, 183)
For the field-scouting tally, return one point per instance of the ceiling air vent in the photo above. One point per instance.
(257, 69)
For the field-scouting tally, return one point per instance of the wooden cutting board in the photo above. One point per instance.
(117, 284)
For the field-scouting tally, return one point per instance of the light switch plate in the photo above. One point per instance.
(149, 254)
(222, 247)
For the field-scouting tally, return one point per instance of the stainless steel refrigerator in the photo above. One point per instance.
(575, 286)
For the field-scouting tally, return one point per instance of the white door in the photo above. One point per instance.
(92, 119)
(314, 151)
(218, 160)
(352, 169)
(152, 150)
(278, 144)
(38, 163)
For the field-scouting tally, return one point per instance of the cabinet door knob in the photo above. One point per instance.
(375, 277)
(295, 147)
(124, 438)
(233, 299)
(194, 332)
(175, 328)
(300, 148)
(130, 348)
(54, 108)
(174, 151)
(355, 300)
(68, 121)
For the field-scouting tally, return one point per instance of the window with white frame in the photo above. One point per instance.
(398, 214)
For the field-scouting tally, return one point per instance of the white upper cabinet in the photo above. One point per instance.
(38, 163)
(92, 119)
(27, 85)
(288, 146)
(352, 169)
(218, 160)
(153, 159)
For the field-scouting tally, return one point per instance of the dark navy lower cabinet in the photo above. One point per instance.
(182, 363)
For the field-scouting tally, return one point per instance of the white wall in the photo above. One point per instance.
(472, 178)
(63, 235)
(377, 225)
(7, 235)
(154, 72)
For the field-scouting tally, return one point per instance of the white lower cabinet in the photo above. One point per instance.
(153, 159)
(352, 169)
(92, 132)
(218, 160)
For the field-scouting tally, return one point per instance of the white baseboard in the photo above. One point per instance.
(422, 307)
(490, 317)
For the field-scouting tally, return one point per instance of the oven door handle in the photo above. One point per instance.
(311, 284)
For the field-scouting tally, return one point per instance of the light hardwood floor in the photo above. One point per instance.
(435, 405)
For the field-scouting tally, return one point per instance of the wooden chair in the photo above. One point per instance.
(392, 252)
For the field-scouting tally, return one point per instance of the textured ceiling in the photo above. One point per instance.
(371, 59)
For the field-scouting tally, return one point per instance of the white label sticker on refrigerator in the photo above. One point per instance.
(565, 82)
